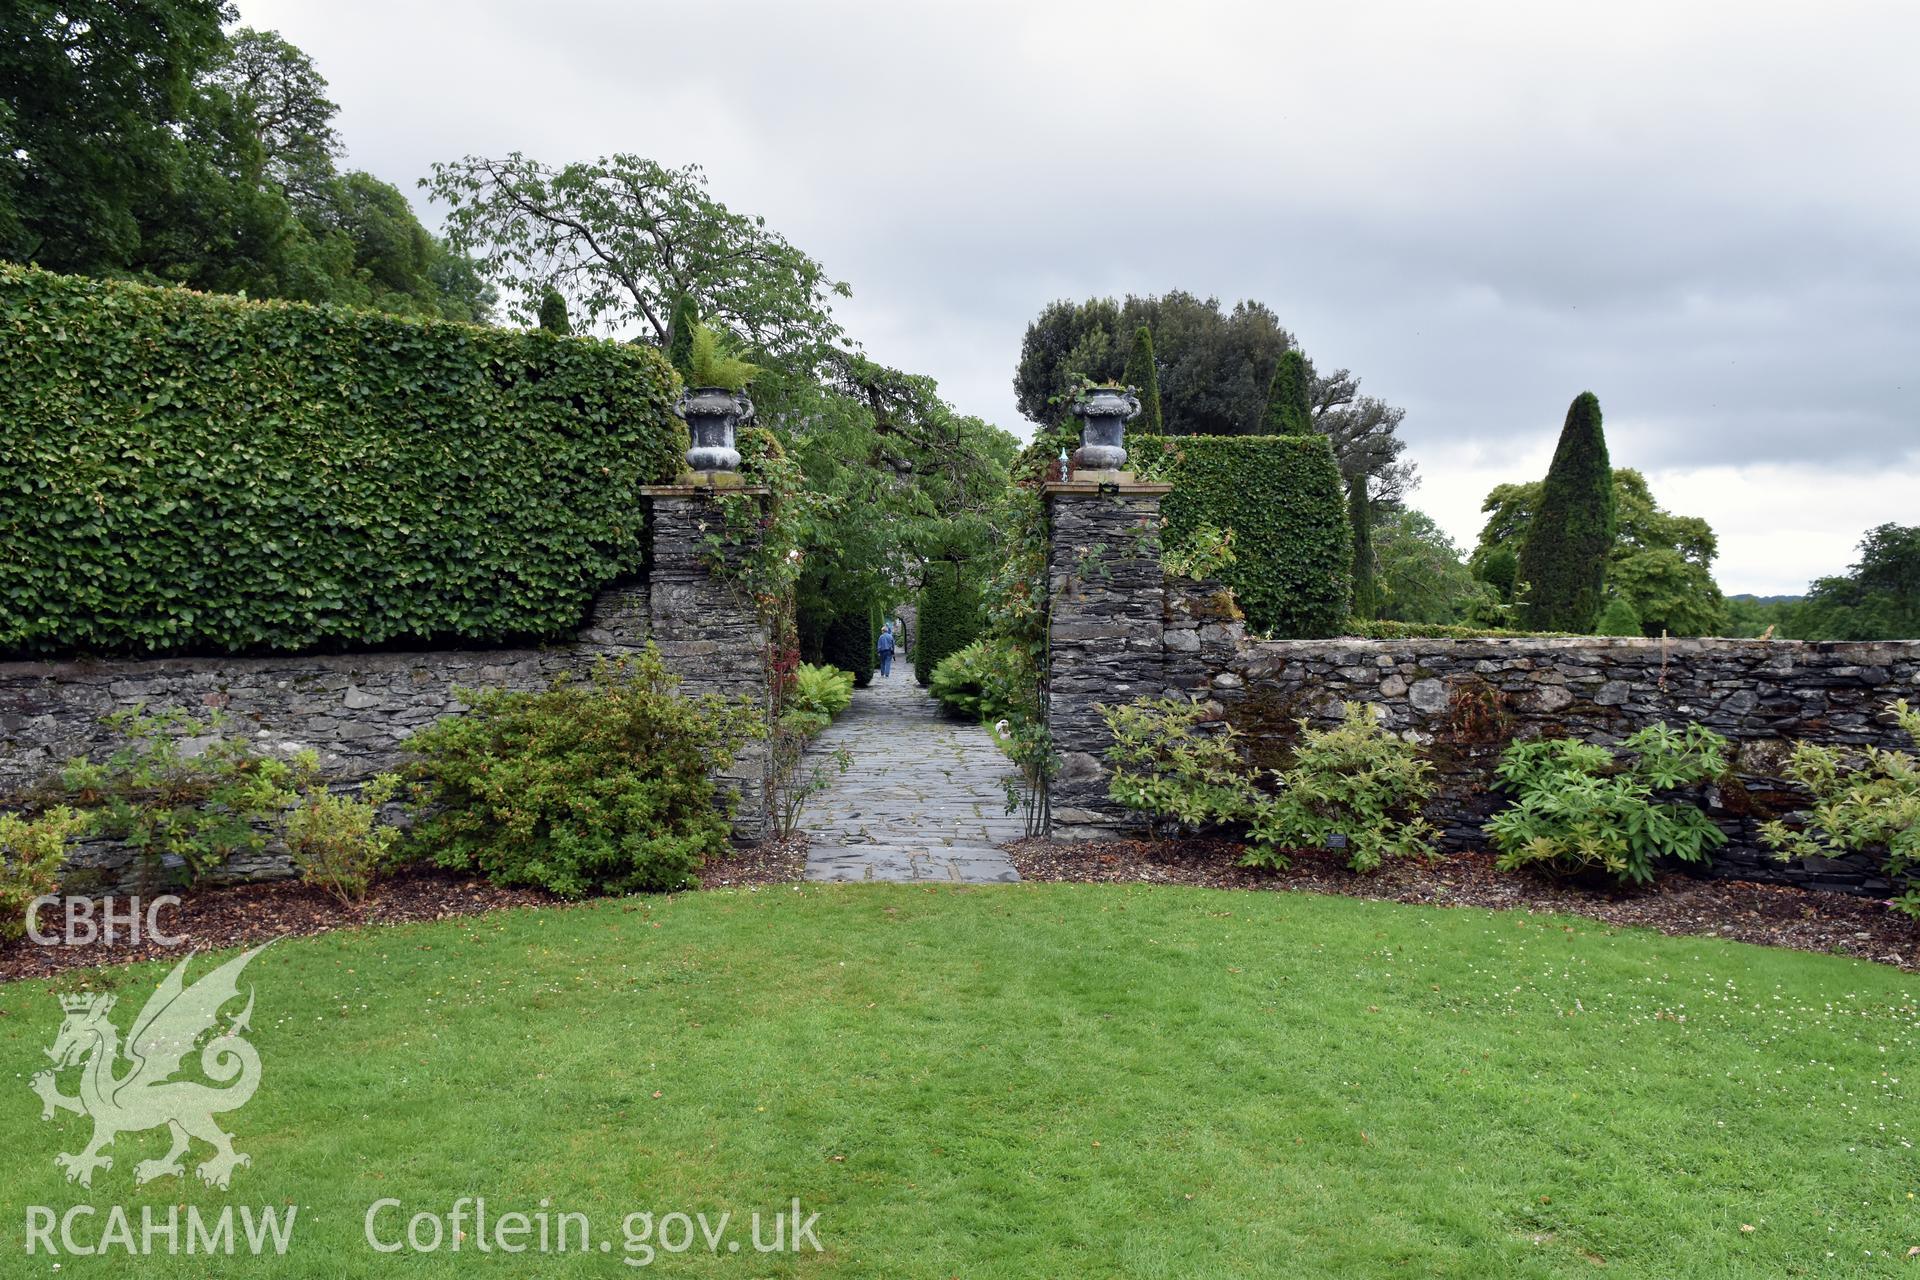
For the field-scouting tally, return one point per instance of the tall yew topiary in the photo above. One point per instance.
(553, 312)
(950, 616)
(1366, 602)
(849, 641)
(1290, 397)
(680, 337)
(1564, 559)
(1143, 376)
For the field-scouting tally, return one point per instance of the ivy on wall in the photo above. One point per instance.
(1283, 499)
(195, 473)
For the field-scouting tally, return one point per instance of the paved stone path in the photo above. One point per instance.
(924, 799)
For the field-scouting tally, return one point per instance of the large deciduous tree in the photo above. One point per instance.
(284, 98)
(138, 141)
(625, 238)
(1877, 599)
(1420, 575)
(1563, 559)
(1213, 365)
(92, 97)
(1215, 375)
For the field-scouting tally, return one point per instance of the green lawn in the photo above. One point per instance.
(1050, 1080)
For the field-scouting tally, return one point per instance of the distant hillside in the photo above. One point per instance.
(1750, 598)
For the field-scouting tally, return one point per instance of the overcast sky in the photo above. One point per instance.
(1708, 214)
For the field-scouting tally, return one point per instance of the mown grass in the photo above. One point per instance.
(1052, 1080)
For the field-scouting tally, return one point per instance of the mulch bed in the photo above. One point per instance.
(1771, 915)
(242, 914)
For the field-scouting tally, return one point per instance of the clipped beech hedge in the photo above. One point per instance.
(182, 472)
(1283, 499)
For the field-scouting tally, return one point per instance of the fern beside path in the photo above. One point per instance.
(924, 799)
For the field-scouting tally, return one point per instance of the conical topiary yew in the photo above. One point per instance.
(1563, 561)
(1290, 397)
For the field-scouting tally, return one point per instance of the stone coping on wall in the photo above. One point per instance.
(693, 486)
(1107, 482)
(1885, 651)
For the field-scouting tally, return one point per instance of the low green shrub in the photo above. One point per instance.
(1283, 501)
(338, 842)
(1581, 809)
(969, 683)
(1357, 781)
(31, 851)
(182, 792)
(821, 691)
(1171, 760)
(601, 786)
(194, 473)
(1862, 803)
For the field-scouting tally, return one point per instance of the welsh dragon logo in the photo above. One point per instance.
(142, 1096)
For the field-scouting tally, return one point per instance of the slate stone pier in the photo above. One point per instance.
(1107, 633)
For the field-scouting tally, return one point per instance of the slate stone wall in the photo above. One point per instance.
(357, 710)
(1464, 699)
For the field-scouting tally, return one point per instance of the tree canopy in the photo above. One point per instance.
(1214, 372)
(1878, 598)
(94, 93)
(1660, 563)
(625, 239)
(142, 142)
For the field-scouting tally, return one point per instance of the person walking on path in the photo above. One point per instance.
(886, 651)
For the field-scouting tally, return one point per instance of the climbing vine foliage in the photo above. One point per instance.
(191, 473)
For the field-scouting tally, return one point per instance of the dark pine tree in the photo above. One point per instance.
(1366, 603)
(680, 336)
(1290, 398)
(1563, 561)
(553, 313)
(1145, 378)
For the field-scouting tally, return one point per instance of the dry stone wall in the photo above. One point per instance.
(1463, 699)
(357, 710)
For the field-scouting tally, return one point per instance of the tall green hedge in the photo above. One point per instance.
(1283, 498)
(193, 473)
(950, 617)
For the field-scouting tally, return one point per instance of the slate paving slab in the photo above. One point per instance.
(925, 798)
